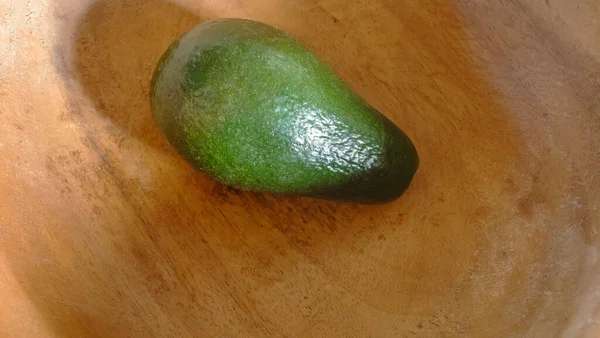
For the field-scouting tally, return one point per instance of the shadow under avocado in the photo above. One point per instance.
(116, 50)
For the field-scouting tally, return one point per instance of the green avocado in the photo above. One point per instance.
(251, 107)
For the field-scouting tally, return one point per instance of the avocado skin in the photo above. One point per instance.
(248, 105)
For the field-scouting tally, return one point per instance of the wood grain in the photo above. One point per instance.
(106, 232)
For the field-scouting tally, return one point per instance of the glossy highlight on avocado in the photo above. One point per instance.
(248, 105)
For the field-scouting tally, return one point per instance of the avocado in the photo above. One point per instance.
(251, 107)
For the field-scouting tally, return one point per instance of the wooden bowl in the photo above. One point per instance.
(106, 231)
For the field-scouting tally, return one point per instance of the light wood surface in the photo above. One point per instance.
(106, 232)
